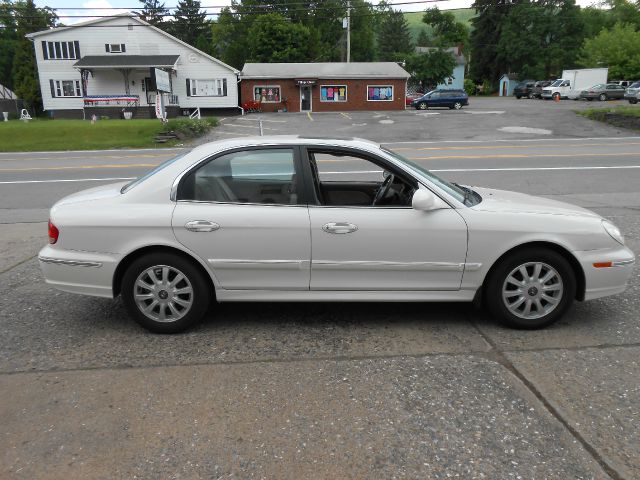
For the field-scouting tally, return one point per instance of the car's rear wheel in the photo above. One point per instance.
(422, 106)
(165, 293)
(518, 97)
(602, 97)
(457, 105)
(633, 102)
(531, 288)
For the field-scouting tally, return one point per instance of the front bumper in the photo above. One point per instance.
(601, 282)
(86, 273)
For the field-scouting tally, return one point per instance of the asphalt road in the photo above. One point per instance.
(323, 390)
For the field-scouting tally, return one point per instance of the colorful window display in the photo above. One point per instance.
(333, 93)
(382, 93)
(267, 94)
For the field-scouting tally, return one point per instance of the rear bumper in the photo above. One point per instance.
(86, 273)
(601, 282)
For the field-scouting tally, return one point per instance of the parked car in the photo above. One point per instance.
(536, 92)
(453, 99)
(524, 89)
(602, 91)
(622, 83)
(276, 219)
(632, 93)
(410, 97)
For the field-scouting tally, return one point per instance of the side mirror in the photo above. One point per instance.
(425, 200)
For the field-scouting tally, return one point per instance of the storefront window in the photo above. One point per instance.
(380, 93)
(266, 94)
(333, 93)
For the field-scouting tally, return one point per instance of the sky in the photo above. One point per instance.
(93, 7)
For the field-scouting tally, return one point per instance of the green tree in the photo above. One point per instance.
(189, 22)
(447, 31)
(617, 48)
(229, 39)
(423, 39)
(153, 12)
(272, 39)
(29, 19)
(8, 42)
(362, 31)
(394, 39)
(431, 68)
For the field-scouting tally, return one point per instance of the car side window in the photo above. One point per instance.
(434, 95)
(349, 180)
(261, 176)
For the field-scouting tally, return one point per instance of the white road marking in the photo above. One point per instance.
(235, 134)
(427, 113)
(515, 169)
(488, 112)
(386, 121)
(536, 131)
(258, 119)
(247, 126)
(575, 139)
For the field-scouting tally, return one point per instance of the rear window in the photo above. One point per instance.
(152, 172)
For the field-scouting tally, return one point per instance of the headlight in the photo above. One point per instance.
(613, 231)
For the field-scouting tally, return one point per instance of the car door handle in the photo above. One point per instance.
(201, 226)
(339, 227)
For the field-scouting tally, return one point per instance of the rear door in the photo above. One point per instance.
(242, 212)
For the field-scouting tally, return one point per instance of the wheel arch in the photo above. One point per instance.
(566, 254)
(135, 254)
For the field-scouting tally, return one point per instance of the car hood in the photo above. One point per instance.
(91, 194)
(514, 202)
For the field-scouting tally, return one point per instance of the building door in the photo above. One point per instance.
(305, 98)
(151, 96)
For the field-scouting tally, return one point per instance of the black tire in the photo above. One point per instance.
(457, 106)
(530, 96)
(633, 102)
(496, 280)
(518, 97)
(602, 97)
(421, 106)
(556, 96)
(199, 299)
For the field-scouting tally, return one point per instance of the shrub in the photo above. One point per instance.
(469, 86)
(188, 127)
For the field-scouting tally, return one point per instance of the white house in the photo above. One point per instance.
(104, 65)
(456, 80)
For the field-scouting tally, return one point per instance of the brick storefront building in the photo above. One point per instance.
(324, 87)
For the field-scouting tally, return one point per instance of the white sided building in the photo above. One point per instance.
(104, 67)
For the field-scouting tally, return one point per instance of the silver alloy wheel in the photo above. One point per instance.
(532, 290)
(457, 105)
(422, 105)
(163, 293)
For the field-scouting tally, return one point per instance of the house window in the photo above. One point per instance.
(68, 88)
(449, 81)
(115, 47)
(216, 87)
(267, 93)
(59, 50)
(333, 93)
(380, 93)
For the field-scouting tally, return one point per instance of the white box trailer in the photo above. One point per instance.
(574, 81)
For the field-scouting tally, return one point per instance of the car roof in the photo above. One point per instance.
(230, 143)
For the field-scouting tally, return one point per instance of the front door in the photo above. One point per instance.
(305, 98)
(241, 213)
(366, 236)
(151, 96)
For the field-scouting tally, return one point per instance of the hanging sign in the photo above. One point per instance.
(159, 113)
(159, 80)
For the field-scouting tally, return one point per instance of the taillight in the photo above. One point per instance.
(53, 233)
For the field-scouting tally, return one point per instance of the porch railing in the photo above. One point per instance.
(111, 100)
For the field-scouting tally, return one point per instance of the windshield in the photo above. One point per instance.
(598, 86)
(152, 172)
(466, 196)
(556, 83)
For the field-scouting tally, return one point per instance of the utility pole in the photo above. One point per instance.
(348, 31)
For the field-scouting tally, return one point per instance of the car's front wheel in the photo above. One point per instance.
(602, 97)
(165, 293)
(633, 102)
(530, 96)
(531, 288)
(422, 106)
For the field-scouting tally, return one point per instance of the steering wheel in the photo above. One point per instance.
(383, 189)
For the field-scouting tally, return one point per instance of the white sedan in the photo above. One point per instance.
(316, 219)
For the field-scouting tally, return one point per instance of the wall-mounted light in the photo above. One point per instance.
(133, 82)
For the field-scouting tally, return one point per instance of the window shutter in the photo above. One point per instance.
(106, 48)
(53, 89)
(188, 87)
(76, 45)
(122, 48)
(224, 87)
(45, 53)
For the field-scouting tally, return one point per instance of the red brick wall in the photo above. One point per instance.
(356, 95)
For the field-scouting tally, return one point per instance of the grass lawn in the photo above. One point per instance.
(45, 135)
(625, 117)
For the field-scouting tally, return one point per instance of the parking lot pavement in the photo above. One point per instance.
(485, 118)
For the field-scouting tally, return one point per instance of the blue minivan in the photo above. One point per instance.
(454, 99)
